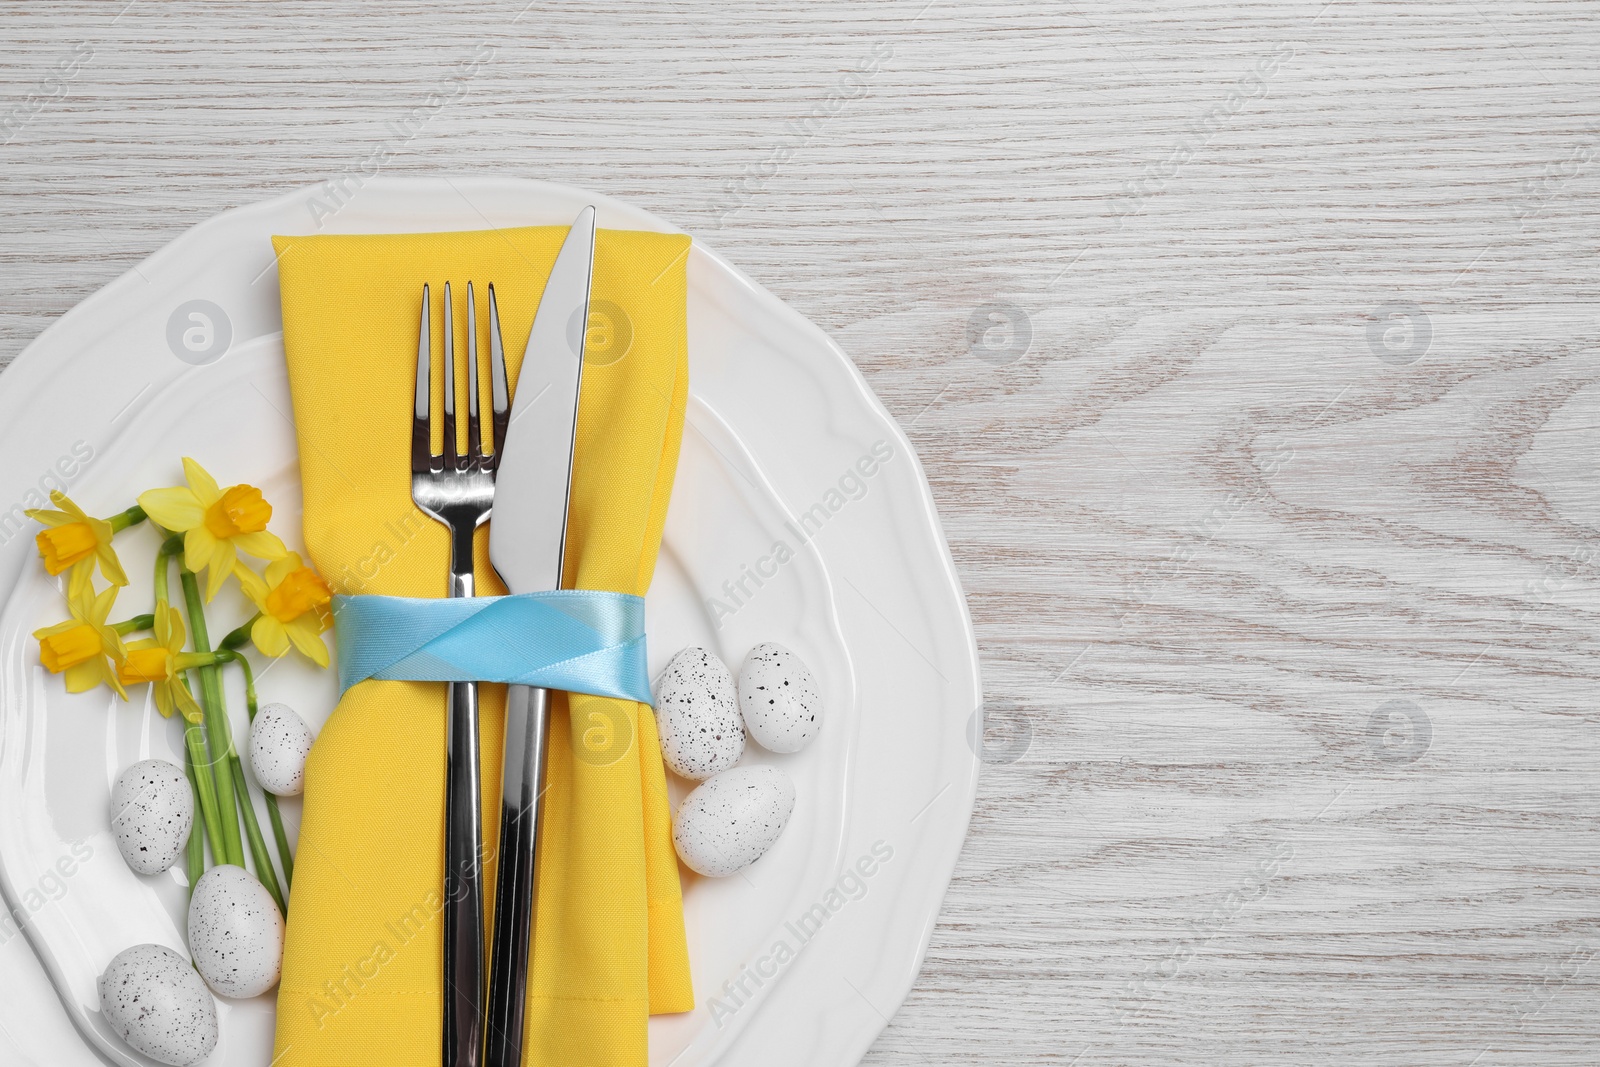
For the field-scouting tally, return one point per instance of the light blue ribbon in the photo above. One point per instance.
(578, 641)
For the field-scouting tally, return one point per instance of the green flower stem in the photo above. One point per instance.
(280, 835)
(122, 520)
(209, 813)
(219, 737)
(169, 548)
(252, 827)
(238, 637)
(134, 625)
(195, 851)
(194, 737)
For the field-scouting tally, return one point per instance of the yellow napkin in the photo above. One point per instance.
(362, 970)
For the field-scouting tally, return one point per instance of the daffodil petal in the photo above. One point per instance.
(110, 565)
(111, 641)
(205, 487)
(80, 577)
(252, 585)
(82, 677)
(269, 636)
(64, 502)
(163, 696)
(58, 628)
(176, 509)
(306, 634)
(100, 608)
(176, 634)
(187, 705)
(198, 546)
(219, 567)
(48, 517)
(82, 603)
(262, 545)
(168, 630)
(280, 569)
(66, 508)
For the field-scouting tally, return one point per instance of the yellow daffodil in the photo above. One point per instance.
(293, 601)
(73, 539)
(160, 660)
(216, 523)
(84, 648)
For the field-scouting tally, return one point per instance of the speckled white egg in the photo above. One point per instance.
(280, 741)
(697, 712)
(235, 932)
(778, 697)
(156, 1003)
(728, 823)
(152, 810)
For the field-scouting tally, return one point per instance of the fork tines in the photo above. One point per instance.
(423, 458)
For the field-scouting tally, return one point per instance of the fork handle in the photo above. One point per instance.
(463, 884)
(527, 749)
(463, 870)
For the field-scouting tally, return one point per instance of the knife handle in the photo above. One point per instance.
(522, 790)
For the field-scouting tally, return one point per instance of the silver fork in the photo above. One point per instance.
(458, 490)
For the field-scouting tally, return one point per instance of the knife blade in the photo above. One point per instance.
(528, 531)
(527, 545)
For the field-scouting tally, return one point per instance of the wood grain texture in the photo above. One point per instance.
(1279, 526)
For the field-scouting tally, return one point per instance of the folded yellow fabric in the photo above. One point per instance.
(362, 971)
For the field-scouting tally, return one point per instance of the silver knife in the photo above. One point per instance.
(527, 540)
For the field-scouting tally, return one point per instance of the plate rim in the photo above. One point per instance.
(32, 365)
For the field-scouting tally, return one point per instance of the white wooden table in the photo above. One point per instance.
(1252, 351)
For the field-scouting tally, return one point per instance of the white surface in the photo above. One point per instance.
(1174, 698)
(742, 487)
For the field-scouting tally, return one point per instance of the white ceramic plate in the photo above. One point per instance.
(801, 959)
